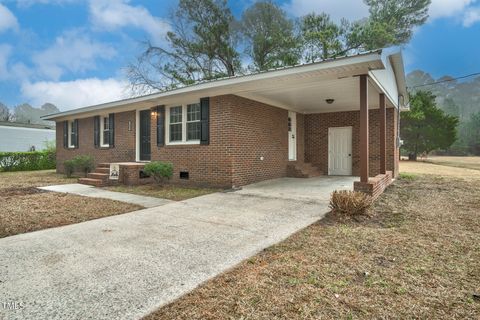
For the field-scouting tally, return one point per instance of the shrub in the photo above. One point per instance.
(350, 203)
(69, 166)
(83, 164)
(159, 170)
(27, 161)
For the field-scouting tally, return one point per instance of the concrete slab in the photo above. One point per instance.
(126, 266)
(90, 191)
(311, 189)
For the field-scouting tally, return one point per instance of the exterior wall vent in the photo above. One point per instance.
(184, 175)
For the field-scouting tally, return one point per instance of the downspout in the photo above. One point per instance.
(398, 122)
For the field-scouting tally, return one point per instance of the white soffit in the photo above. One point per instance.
(335, 76)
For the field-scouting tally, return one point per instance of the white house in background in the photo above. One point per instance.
(24, 137)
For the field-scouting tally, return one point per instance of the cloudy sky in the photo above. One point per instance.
(73, 52)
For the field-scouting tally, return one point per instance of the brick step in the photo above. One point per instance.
(103, 165)
(102, 170)
(91, 182)
(303, 170)
(307, 167)
(99, 176)
(312, 170)
(313, 174)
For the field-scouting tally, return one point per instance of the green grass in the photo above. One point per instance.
(170, 192)
(407, 176)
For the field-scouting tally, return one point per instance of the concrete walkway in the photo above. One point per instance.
(126, 266)
(90, 191)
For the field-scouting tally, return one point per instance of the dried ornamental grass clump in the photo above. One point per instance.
(350, 203)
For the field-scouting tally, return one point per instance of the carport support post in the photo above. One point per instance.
(383, 134)
(364, 144)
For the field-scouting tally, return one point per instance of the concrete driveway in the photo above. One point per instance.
(125, 266)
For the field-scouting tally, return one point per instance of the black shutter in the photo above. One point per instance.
(204, 121)
(75, 130)
(65, 134)
(160, 126)
(96, 131)
(111, 124)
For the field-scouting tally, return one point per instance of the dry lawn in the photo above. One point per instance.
(171, 192)
(25, 179)
(23, 208)
(461, 162)
(417, 258)
(436, 169)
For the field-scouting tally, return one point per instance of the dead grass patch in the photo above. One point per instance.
(24, 208)
(171, 192)
(20, 213)
(24, 179)
(417, 258)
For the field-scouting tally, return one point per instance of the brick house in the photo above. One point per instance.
(335, 117)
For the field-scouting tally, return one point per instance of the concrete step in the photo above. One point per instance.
(102, 170)
(91, 182)
(103, 165)
(99, 176)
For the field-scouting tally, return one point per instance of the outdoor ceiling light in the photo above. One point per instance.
(329, 101)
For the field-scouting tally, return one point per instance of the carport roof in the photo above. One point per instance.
(303, 88)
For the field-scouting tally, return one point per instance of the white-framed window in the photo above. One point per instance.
(104, 131)
(71, 134)
(183, 124)
(193, 122)
(175, 124)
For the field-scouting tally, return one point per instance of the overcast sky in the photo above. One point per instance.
(73, 52)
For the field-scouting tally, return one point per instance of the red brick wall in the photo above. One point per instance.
(316, 139)
(375, 185)
(124, 149)
(209, 165)
(241, 132)
(260, 130)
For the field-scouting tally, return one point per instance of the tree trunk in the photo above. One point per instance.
(412, 156)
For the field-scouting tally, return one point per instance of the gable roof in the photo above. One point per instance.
(363, 62)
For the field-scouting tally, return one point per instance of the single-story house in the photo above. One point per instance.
(15, 136)
(335, 117)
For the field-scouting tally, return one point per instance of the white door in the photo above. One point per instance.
(292, 136)
(340, 151)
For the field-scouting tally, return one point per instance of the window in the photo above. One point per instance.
(183, 125)
(193, 121)
(176, 124)
(71, 134)
(104, 132)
